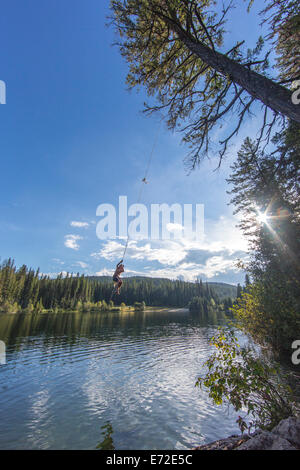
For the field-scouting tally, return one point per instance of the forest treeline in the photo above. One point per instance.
(25, 289)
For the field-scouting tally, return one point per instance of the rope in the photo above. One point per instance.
(144, 180)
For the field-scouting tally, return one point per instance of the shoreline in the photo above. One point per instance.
(284, 436)
(127, 308)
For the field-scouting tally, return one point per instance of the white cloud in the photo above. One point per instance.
(71, 241)
(79, 224)
(220, 235)
(82, 264)
(165, 252)
(58, 261)
(215, 255)
(110, 251)
(190, 271)
(104, 272)
(172, 227)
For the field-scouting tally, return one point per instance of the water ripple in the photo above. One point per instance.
(67, 376)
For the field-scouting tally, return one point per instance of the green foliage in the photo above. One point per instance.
(8, 307)
(269, 184)
(206, 303)
(29, 308)
(284, 21)
(24, 289)
(199, 305)
(269, 311)
(107, 442)
(223, 290)
(139, 305)
(39, 306)
(159, 38)
(237, 376)
(227, 306)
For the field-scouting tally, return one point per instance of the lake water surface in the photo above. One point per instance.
(69, 374)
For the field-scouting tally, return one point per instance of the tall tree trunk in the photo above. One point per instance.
(268, 92)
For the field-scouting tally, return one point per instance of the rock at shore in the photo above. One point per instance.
(285, 436)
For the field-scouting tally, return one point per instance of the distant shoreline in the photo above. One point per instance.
(127, 308)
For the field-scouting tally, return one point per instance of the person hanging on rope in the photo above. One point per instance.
(144, 181)
(116, 277)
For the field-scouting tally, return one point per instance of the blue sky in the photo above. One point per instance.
(72, 137)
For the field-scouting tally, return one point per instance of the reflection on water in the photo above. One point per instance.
(70, 377)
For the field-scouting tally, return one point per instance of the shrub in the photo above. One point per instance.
(139, 305)
(237, 376)
(270, 313)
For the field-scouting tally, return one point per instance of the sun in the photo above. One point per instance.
(262, 217)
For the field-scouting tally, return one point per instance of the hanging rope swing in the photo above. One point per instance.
(144, 181)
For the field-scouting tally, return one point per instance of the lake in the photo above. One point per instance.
(70, 376)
